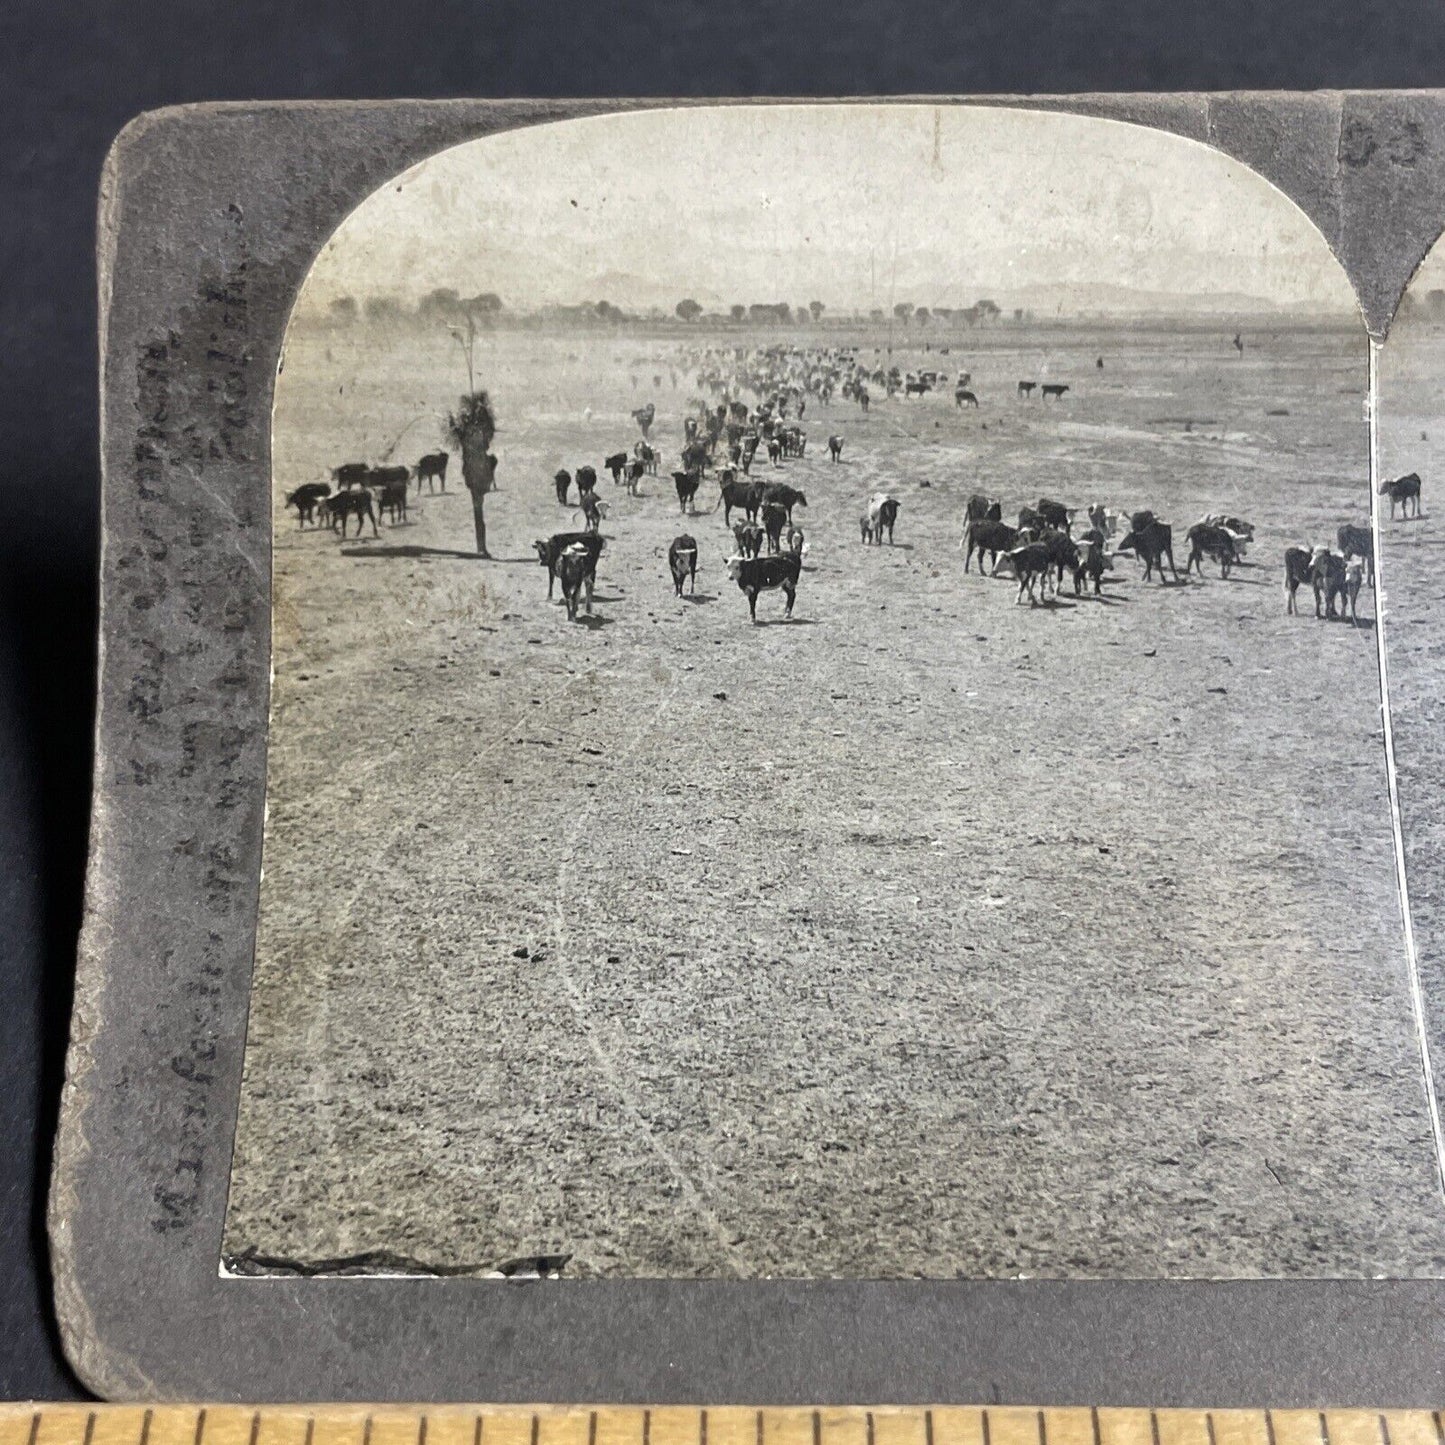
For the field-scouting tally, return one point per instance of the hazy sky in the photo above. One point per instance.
(855, 206)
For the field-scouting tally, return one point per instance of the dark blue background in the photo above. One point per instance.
(72, 75)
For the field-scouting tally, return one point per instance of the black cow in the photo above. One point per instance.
(1152, 542)
(1063, 554)
(391, 497)
(635, 470)
(353, 502)
(647, 456)
(762, 574)
(562, 481)
(1052, 389)
(983, 534)
(749, 536)
(305, 499)
(1327, 577)
(1403, 490)
(431, 469)
(1026, 388)
(774, 519)
(964, 397)
(835, 448)
(350, 474)
(576, 569)
(1055, 515)
(1207, 540)
(593, 510)
(981, 509)
(745, 495)
(644, 416)
(386, 476)
(586, 480)
(1031, 563)
(614, 464)
(784, 495)
(1358, 542)
(1296, 574)
(687, 484)
(551, 550)
(682, 562)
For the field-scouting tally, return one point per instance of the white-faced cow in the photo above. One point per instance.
(882, 514)
(1358, 542)
(682, 562)
(550, 550)
(762, 574)
(1296, 574)
(1206, 540)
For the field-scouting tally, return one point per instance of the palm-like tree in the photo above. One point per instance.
(470, 429)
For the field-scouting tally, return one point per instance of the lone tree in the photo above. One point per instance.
(903, 311)
(689, 310)
(816, 307)
(921, 316)
(738, 312)
(470, 429)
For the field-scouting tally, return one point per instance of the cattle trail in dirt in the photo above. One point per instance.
(924, 934)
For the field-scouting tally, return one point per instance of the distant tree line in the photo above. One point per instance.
(447, 306)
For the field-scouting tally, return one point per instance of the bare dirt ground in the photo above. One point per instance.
(925, 935)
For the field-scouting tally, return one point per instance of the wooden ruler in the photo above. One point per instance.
(42, 1424)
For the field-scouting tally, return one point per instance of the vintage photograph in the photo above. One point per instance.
(826, 718)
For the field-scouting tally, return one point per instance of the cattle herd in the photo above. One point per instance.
(724, 434)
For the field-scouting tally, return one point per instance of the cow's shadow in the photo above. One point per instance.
(594, 621)
(786, 622)
(698, 597)
(411, 551)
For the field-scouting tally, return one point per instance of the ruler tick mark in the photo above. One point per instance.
(1154, 1426)
(1384, 1431)
(817, 1428)
(89, 1427)
(145, 1428)
(35, 1426)
(1209, 1428)
(1043, 1432)
(201, 1427)
(255, 1426)
(592, 1427)
(702, 1429)
(1094, 1423)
